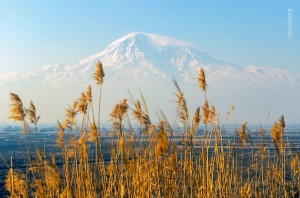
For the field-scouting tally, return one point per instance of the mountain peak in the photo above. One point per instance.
(151, 39)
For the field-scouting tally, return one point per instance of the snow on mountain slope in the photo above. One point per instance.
(141, 57)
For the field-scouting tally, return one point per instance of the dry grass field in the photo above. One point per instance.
(155, 165)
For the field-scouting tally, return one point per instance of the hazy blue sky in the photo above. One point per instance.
(35, 33)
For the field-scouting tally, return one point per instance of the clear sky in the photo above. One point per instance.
(36, 33)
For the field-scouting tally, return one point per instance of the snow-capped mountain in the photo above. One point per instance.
(147, 60)
(139, 57)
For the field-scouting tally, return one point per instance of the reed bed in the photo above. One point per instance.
(150, 161)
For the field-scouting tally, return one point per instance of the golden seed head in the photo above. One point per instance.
(99, 73)
(242, 133)
(31, 112)
(205, 109)
(281, 122)
(70, 116)
(82, 104)
(162, 140)
(276, 132)
(137, 113)
(119, 110)
(17, 112)
(212, 114)
(93, 135)
(88, 94)
(60, 135)
(202, 80)
(196, 120)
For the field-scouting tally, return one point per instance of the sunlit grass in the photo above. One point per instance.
(155, 164)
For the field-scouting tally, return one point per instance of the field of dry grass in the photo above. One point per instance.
(155, 165)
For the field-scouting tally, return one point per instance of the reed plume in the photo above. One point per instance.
(93, 135)
(17, 111)
(295, 164)
(277, 134)
(60, 135)
(137, 113)
(196, 121)
(242, 134)
(119, 110)
(162, 140)
(99, 73)
(202, 80)
(118, 113)
(182, 109)
(88, 93)
(166, 124)
(82, 104)
(98, 76)
(184, 113)
(212, 114)
(31, 112)
(281, 122)
(142, 117)
(205, 110)
(70, 116)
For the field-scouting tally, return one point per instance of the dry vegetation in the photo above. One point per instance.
(155, 165)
